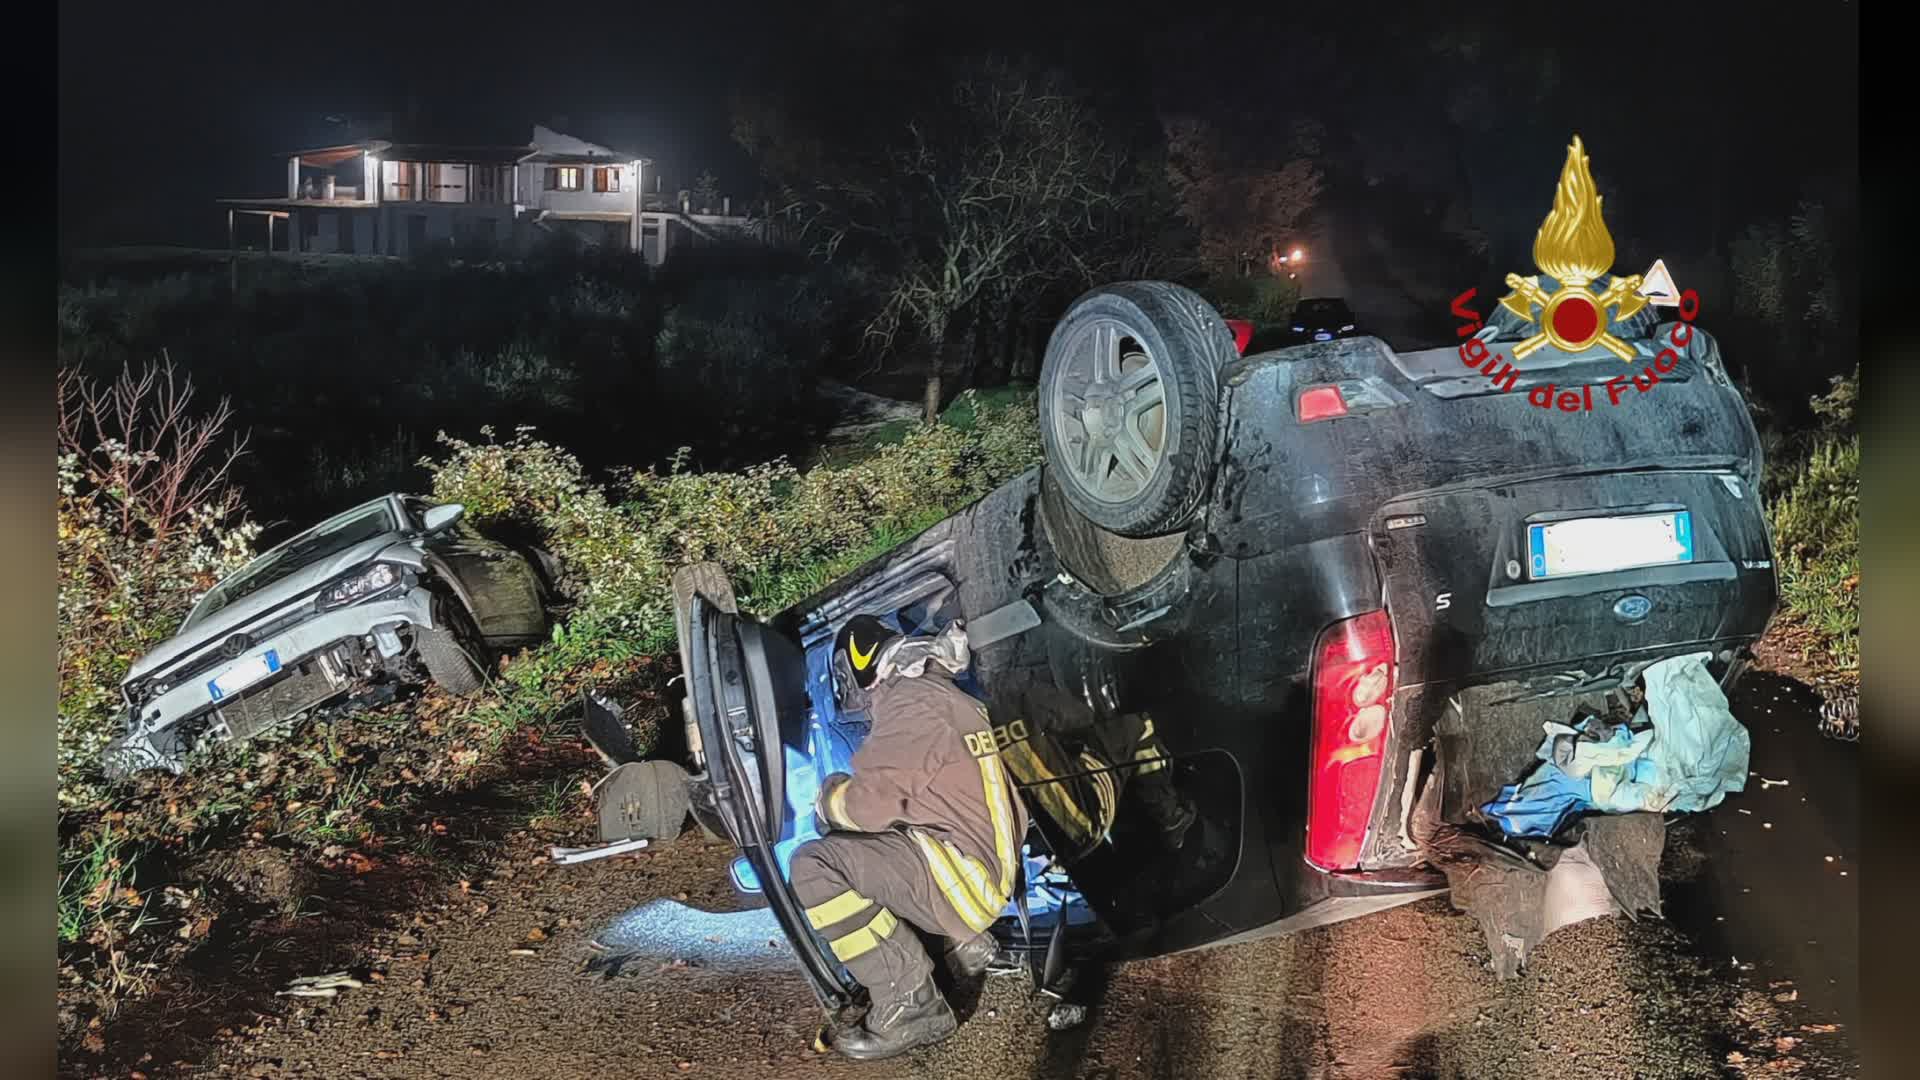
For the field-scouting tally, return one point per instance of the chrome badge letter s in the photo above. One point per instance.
(1443, 601)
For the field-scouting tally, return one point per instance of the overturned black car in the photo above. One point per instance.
(1313, 568)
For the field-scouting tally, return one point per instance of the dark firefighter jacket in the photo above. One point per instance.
(930, 767)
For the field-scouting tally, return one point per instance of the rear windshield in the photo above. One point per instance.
(334, 535)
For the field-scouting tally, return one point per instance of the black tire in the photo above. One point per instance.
(447, 654)
(710, 581)
(646, 800)
(1098, 433)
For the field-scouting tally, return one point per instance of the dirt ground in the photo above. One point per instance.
(503, 980)
(645, 965)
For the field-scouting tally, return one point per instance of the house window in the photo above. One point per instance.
(486, 184)
(398, 178)
(564, 178)
(606, 178)
(446, 183)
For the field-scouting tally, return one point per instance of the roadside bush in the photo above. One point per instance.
(145, 523)
(1816, 536)
(1261, 297)
(761, 523)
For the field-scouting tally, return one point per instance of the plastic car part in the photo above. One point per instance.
(642, 800)
(1129, 404)
(1242, 334)
(1354, 668)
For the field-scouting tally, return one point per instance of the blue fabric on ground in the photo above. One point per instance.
(1695, 753)
(1540, 804)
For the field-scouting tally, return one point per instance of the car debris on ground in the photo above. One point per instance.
(321, 986)
(564, 856)
(1682, 752)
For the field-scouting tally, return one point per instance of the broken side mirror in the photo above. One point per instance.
(441, 518)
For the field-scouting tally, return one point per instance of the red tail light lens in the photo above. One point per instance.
(1321, 403)
(1353, 680)
(1242, 334)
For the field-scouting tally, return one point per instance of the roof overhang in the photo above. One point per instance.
(584, 159)
(333, 155)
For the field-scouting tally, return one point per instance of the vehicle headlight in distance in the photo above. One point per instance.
(348, 590)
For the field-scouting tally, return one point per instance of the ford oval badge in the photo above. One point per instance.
(1632, 608)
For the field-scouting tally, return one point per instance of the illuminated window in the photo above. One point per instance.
(606, 178)
(564, 178)
(399, 180)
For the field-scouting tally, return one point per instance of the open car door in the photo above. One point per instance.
(746, 694)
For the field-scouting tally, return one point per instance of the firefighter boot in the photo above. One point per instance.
(969, 958)
(899, 1020)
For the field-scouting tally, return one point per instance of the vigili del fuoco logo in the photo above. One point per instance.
(1566, 309)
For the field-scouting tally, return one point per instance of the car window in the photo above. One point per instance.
(334, 535)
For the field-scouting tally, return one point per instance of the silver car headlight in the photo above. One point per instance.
(360, 585)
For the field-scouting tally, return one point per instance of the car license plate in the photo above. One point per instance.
(1597, 545)
(244, 674)
(1323, 336)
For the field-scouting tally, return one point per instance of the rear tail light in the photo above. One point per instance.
(1321, 403)
(1353, 681)
(1242, 334)
(1348, 397)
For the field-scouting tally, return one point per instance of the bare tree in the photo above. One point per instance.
(1240, 212)
(1000, 190)
(138, 442)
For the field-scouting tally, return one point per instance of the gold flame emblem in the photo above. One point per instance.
(1573, 247)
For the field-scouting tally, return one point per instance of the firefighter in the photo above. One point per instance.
(925, 830)
(1078, 763)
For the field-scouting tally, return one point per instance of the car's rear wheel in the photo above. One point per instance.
(450, 651)
(1129, 404)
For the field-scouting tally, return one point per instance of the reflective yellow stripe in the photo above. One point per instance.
(837, 806)
(1001, 814)
(976, 911)
(1103, 790)
(1051, 790)
(865, 939)
(846, 904)
(1146, 728)
(1152, 760)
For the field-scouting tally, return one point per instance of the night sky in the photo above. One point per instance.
(1700, 117)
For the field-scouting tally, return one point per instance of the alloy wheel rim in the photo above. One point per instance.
(1110, 412)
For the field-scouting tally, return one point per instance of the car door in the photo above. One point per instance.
(745, 701)
(497, 584)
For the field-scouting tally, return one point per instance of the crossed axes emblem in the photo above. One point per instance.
(1621, 293)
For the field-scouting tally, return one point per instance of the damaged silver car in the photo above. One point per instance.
(394, 591)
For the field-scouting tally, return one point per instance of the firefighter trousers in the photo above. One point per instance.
(858, 888)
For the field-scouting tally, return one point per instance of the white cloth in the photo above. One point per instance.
(909, 656)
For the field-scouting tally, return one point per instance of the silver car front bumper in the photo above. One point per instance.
(310, 669)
